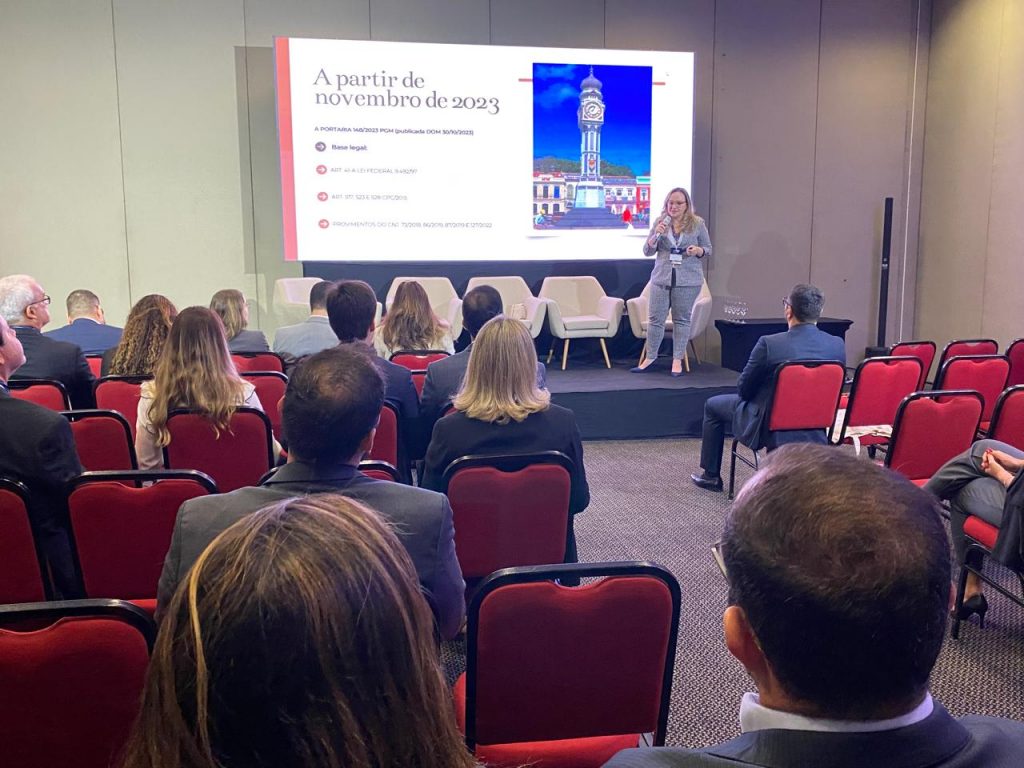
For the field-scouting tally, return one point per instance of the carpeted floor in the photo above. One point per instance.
(643, 507)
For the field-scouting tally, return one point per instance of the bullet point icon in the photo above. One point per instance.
(321, 169)
(324, 223)
(321, 196)
(320, 146)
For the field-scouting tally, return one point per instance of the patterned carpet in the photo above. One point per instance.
(643, 507)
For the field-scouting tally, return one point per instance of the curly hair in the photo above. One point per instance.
(144, 335)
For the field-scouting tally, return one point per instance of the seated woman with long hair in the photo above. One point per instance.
(233, 310)
(194, 370)
(411, 324)
(500, 410)
(299, 639)
(145, 332)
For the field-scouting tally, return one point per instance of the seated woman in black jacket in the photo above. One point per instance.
(500, 410)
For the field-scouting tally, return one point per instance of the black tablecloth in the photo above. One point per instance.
(739, 337)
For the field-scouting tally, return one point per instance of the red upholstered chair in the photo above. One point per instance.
(270, 389)
(985, 374)
(419, 378)
(235, 458)
(386, 443)
(23, 576)
(568, 676)
(1015, 352)
(930, 429)
(418, 360)
(95, 364)
(122, 528)
(879, 386)
(121, 394)
(45, 392)
(254, 362)
(922, 350)
(1007, 422)
(509, 511)
(379, 470)
(805, 395)
(71, 689)
(960, 347)
(103, 440)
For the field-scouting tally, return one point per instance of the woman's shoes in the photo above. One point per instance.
(975, 604)
(643, 369)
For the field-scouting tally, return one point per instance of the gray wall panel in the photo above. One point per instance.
(568, 24)
(431, 21)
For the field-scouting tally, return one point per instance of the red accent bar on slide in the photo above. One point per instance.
(284, 129)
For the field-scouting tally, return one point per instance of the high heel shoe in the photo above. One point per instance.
(975, 604)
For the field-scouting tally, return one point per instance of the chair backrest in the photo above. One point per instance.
(700, 315)
(258, 362)
(294, 290)
(379, 470)
(1007, 422)
(509, 510)
(237, 457)
(930, 429)
(985, 374)
(922, 350)
(72, 689)
(121, 394)
(103, 440)
(419, 378)
(548, 662)
(95, 364)
(22, 570)
(121, 523)
(512, 288)
(573, 295)
(418, 360)
(879, 386)
(386, 441)
(270, 389)
(48, 393)
(805, 395)
(960, 347)
(440, 292)
(1015, 352)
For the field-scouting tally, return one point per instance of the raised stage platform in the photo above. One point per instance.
(618, 405)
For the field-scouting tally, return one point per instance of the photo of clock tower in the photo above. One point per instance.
(590, 118)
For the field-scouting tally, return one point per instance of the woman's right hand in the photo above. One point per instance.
(993, 467)
(661, 226)
(1006, 461)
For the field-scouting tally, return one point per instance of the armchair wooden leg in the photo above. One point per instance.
(694, 350)
(686, 361)
(643, 354)
(551, 351)
(604, 349)
(565, 353)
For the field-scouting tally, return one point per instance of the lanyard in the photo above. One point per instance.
(672, 238)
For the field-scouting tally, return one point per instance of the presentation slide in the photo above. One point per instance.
(418, 152)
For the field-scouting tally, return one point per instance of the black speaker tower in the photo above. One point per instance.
(883, 288)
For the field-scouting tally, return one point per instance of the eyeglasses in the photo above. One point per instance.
(785, 302)
(44, 300)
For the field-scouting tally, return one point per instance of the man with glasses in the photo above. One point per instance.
(745, 411)
(26, 308)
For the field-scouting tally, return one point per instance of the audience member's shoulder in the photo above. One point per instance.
(662, 757)
(560, 414)
(996, 733)
(17, 412)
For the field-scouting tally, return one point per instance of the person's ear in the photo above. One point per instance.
(742, 642)
(366, 444)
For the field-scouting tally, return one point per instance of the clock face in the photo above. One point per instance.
(593, 111)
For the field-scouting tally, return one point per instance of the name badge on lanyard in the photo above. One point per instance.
(676, 252)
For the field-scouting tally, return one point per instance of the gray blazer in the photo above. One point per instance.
(312, 335)
(421, 519)
(691, 271)
(248, 341)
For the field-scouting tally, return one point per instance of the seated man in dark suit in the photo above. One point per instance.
(26, 308)
(37, 449)
(746, 410)
(445, 376)
(87, 325)
(329, 417)
(839, 589)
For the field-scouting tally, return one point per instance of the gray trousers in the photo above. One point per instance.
(969, 490)
(681, 299)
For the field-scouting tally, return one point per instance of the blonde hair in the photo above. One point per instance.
(411, 323)
(690, 219)
(300, 637)
(229, 304)
(501, 378)
(195, 370)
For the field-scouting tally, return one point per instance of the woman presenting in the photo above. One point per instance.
(678, 241)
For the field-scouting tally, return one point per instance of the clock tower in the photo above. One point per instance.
(590, 118)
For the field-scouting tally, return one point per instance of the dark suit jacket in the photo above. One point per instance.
(554, 429)
(47, 358)
(37, 448)
(248, 341)
(422, 521)
(93, 338)
(399, 390)
(938, 741)
(754, 386)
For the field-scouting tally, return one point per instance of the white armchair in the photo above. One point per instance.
(578, 308)
(443, 299)
(514, 290)
(291, 300)
(700, 315)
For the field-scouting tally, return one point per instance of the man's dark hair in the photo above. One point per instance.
(478, 306)
(806, 301)
(318, 295)
(333, 400)
(842, 568)
(351, 306)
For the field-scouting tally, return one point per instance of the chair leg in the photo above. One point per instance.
(961, 587)
(732, 468)
(686, 361)
(693, 349)
(551, 351)
(604, 348)
(643, 354)
(565, 353)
